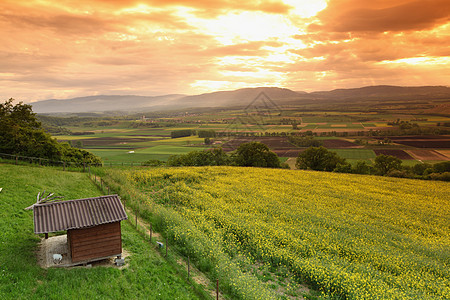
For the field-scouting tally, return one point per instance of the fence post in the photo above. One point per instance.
(188, 267)
(217, 290)
(151, 232)
(136, 213)
(64, 165)
(16, 159)
(84, 167)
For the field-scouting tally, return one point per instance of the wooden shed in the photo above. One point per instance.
(92, 225)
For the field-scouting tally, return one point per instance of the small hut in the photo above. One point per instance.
(92, 225)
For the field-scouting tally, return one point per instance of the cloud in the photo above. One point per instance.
(359, 42)
(381, 15)
(244, 49)
(208, 8)
(65, 48)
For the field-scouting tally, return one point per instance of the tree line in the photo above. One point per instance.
(256, 154)
(321, 159)
(252, 154)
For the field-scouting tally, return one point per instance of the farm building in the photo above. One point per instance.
(92, 225)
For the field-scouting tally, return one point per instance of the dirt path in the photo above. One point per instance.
(195, 274)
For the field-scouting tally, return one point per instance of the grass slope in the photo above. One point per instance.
(353, 236)
(148, 276)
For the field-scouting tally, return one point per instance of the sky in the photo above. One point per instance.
(64, 49)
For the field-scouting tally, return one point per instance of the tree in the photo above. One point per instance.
(256, 154)
(22, 134)
(181, 133)
(361, 167)
(343, 168)
(386, 163)
(214, 157)
(206, 133)
(419, 169)
(307, 141)
(319, 159)
(441, 167)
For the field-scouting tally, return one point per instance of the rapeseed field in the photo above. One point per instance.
(351, 236)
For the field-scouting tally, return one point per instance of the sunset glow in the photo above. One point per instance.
(62, 49)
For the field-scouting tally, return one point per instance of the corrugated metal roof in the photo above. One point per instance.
(80, 213)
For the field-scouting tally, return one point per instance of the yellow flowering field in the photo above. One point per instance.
(354, 236)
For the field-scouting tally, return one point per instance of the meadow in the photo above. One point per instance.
(347, 236)
(147, 274)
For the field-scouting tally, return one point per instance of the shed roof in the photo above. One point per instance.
(79, 213)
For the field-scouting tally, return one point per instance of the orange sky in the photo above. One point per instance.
(64, 48)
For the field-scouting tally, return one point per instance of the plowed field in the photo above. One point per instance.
(394, 152)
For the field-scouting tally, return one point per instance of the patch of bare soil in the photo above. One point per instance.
(275, 142)
(443, 152)
(338, 143)
(421, 154)
(401, 154)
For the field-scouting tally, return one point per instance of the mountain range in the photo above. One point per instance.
(236, 98)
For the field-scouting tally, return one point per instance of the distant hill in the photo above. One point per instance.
(382, 92)
(102, 103)
(133, 103)
(240, 97)
(236, 98)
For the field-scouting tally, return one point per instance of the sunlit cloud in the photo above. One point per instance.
(425, 61)
(67, 49)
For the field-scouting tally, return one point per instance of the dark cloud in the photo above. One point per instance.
(380, 16)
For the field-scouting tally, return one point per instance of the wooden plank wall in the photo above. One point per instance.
(95, 242)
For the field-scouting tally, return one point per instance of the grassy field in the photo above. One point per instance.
(160, 152)
(147, 276)
(355, 154)
(349, 236)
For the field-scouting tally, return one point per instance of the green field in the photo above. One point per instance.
(161, 152)
(355, 154)
(265, 232)
(147, 275)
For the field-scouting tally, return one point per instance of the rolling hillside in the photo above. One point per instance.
(352, 236)
(237, 98)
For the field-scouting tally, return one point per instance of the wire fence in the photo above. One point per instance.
(65, 165)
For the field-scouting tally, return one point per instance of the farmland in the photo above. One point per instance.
(352, 236)
(135, 146)
(147, 136)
